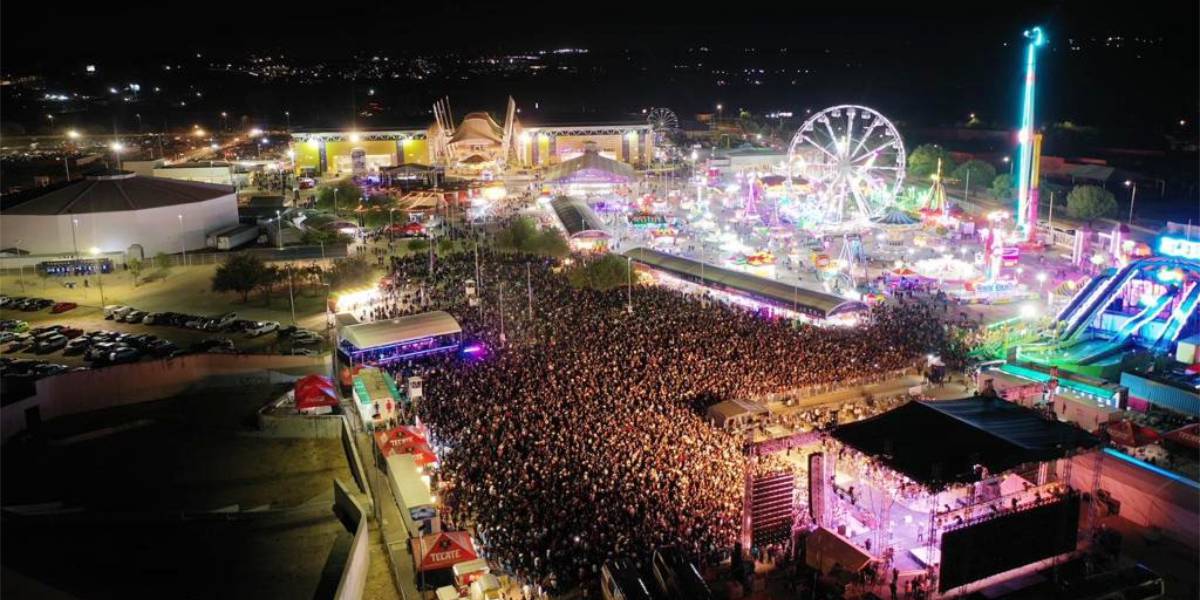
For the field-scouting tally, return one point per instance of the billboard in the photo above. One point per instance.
(1008, 541)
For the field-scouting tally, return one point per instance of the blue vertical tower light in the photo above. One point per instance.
(1026, 198)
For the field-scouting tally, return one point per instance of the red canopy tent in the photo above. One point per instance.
(315, 393)
(1125, 433)
(414, 229)
(1188, 435)
(405, 440)
(443, 550)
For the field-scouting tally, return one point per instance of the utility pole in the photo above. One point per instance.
(629, 285)
(502, 339)
(529, 288)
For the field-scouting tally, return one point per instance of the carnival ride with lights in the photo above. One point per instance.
(1148, 303)
(851, 160)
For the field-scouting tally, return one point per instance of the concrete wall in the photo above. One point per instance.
(354, 574)
(96, 389)
(294, 425)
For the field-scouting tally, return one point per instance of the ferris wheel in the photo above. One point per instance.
(662, 119)
(851, 161)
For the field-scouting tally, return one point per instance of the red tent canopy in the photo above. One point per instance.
(405, 440)
(414, 229)
(443, 550)
(314, 391)
(1188, 435)
(1126, 433)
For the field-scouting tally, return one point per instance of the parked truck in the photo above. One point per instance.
(238, 236)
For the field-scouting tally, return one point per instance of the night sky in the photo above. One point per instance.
(926, 62)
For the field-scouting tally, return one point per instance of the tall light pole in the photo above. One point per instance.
(99, 274)
(287, 114)
(629, 283)
(117, 147)
(182, 246)
(74, 243)
(279, 230)
(1026, 197)
(1132, 197)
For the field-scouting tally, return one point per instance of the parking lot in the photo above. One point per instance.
(88, 327)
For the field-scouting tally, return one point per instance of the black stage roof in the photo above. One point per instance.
(941, 442)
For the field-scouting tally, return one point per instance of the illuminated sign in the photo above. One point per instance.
(1183, 248)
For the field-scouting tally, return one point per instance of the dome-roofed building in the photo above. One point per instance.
(117, 211)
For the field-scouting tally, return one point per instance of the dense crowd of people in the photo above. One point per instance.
(579, 436)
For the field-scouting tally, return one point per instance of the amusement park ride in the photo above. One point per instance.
(1143, 307)
(851, 160)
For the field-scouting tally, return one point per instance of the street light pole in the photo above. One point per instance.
(1132, 198)
(279, 230)
(182, 245)
(74, 243)
(629, 285)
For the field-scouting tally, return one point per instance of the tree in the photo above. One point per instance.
(1002, 186)
(135, 266)
(520, 236)
(923, 161)
(524, 236)
(1090, 202)
(241, 273)
(981, 173)
(603, 274)
(271, 275)
(445, 245)
(162, 262)
(552, 243)
(348, 194)
(351, 273)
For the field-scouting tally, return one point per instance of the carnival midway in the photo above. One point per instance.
(622, 361)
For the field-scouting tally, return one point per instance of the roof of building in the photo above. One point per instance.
(941, 442)
(590, 167)
(1088, 172)
(116, 192)
(199, 164)
(575, 215)
(477, 127)
(806, 300)
(394, 331)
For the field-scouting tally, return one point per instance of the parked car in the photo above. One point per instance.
(4, 300)
(133, 316)
(302, 352)
(37, 304)
(71, 332)
(14, 325)
(162, 348)
(48, 369)
(116, 311)
(51, 344)
(225, 320)
(306, 337)
(63, 307)
(153, 318)
(99, 351)
(78, 345)
(7, 336)
(124, 354)
(262, 328)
